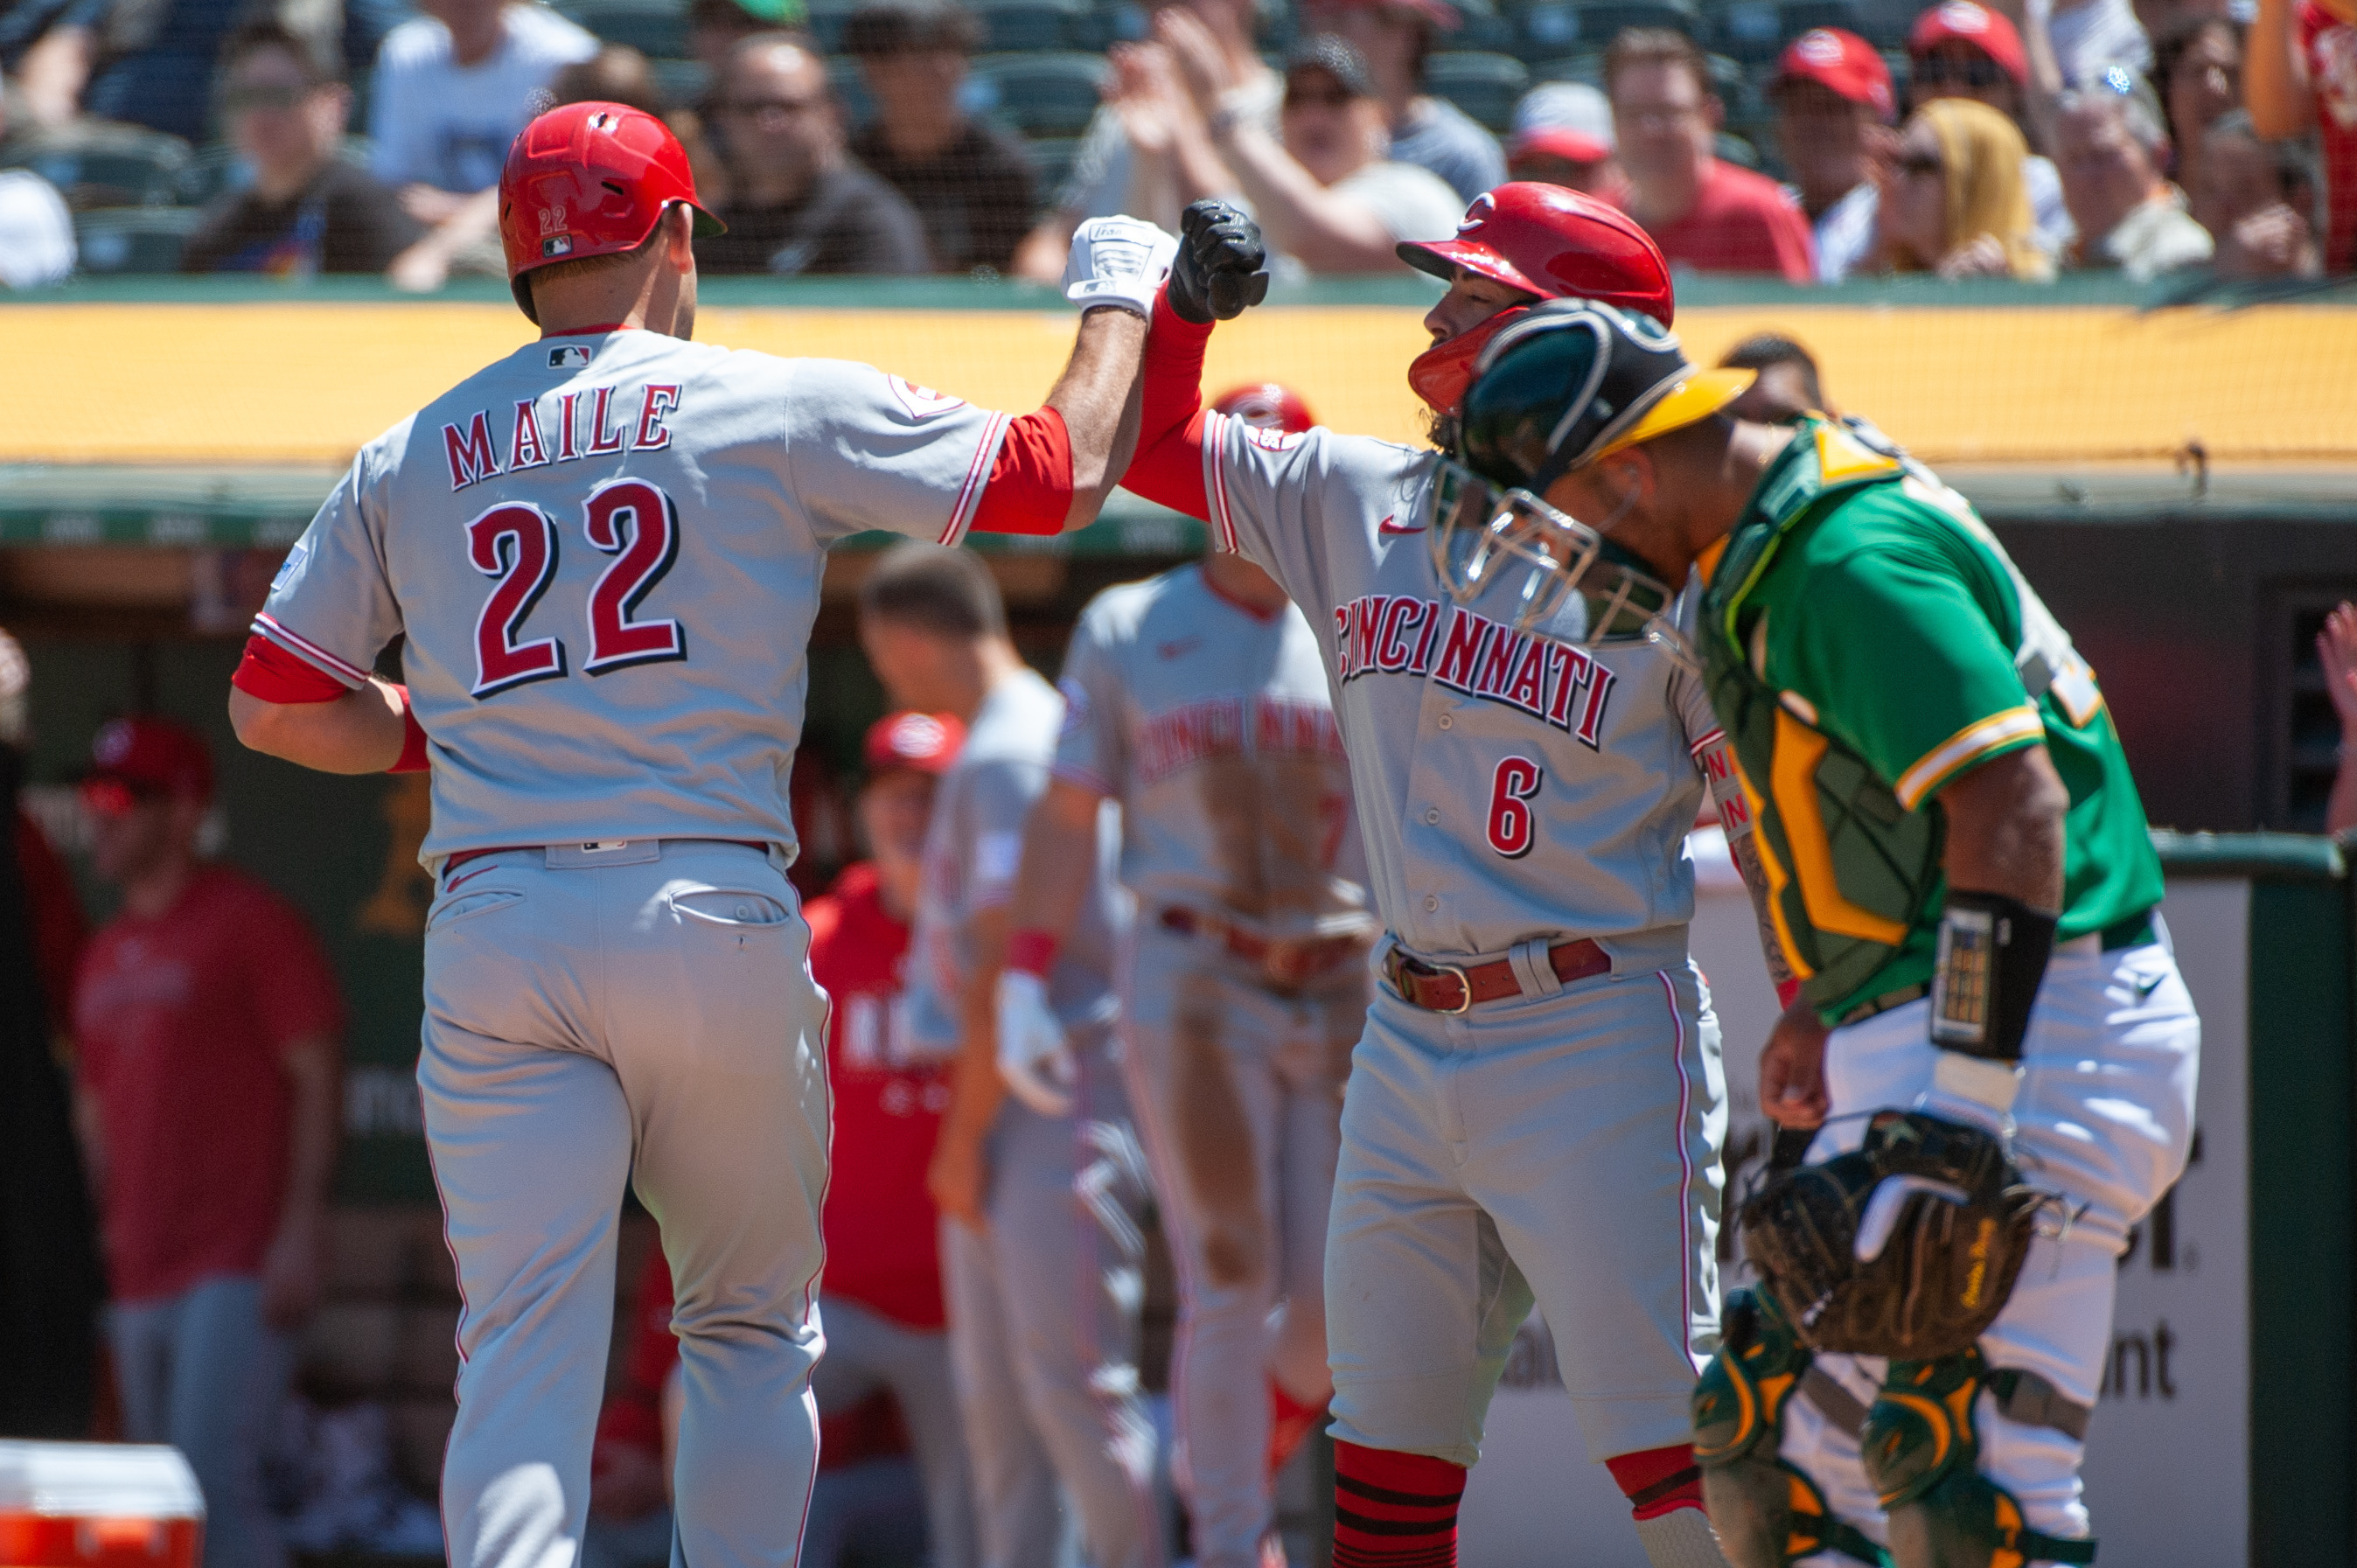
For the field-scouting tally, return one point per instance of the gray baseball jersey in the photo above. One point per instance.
(1212, 724)
(605, 551)
(1510, 786)
(973, 848)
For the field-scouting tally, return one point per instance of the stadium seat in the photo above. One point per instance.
(1039, 95)
(1587, 66)
(683, 82)
(1794, 17)
(1483, 28)
(1555, 27)
(134, 239)
(656, 28)
(98, 164)
(1750, 30)
(850, 92)
(1734, 149)
(1053, 157)
(1030, 26)
(1119, 22)
(1486, 86)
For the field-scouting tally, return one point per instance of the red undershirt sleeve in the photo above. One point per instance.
(1030, 487)
(1168, 468)
(270, 672)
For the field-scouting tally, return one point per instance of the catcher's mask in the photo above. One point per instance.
(1557, 388)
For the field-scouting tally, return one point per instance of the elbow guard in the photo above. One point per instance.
(1992, 954)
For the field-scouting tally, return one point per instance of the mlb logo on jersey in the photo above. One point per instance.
(572, 357)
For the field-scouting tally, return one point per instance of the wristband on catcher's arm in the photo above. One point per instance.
(1992, 954)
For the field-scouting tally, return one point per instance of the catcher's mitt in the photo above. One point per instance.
(1907, 1247)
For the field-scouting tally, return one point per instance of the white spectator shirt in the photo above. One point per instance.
(2094, 34)
(37, 239)
(1413, 203)
(1099, 184)
(439, 124)
(1844, 233)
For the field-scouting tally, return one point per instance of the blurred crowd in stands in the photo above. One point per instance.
(1810, 140)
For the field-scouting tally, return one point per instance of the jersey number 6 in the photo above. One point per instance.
(515, 545)
(1512, 829)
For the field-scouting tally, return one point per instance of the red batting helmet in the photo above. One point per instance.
(589, 180)
(1271, 404)
(1545, 240)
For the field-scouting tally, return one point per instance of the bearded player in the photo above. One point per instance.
(1536, 1105)
(1962, 880)
(1196, 700)
(604, 552)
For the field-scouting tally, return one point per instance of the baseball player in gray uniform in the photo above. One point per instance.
(1042, 1244)
(1197, 701)
(1537, 1106)
(603, 552)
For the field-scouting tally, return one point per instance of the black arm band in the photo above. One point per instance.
(1992, 953)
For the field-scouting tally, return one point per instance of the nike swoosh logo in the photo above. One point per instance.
(1388, 526)
(2145, 988)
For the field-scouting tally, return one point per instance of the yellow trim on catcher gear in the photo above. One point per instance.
(1774, 870)
(1967, 746)
(1793, 780)
(1701, 395)
(1841, 456)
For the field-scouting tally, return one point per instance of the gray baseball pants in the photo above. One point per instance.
(1562, 1146)
(643, 1016)
(1043, 1331)
(866, 1351)
(1238, 1092)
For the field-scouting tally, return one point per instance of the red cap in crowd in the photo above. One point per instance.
(1270, 404)
(145, 757)
(1841, 62)
(927, 743)
(1991, 32)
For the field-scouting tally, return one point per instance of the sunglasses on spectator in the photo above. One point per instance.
(1333, 98)
(1977, 73)
(238, 100)
(1921, 166)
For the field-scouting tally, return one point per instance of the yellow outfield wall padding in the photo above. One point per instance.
(307, 383)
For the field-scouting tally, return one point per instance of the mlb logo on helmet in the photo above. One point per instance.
(560, 245)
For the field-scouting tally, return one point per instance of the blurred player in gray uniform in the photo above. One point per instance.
(1197, 701)
(1537, 1107)
(1042, 1249)
(604, 553)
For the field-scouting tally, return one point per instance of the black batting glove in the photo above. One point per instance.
(1222, 266)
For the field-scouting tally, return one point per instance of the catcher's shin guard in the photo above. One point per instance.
(1767, 1512)
(1921, 1448)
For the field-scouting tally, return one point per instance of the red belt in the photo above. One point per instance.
(1287, 960)
(460, 857)
(1453, 988)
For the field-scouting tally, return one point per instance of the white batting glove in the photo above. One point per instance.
(1119, 262)
(1032, 1056)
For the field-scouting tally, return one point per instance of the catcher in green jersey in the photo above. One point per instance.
(1991, 1036)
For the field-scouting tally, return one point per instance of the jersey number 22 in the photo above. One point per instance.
(515, 545)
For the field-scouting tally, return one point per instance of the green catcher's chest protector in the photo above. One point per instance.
(1852, 872)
